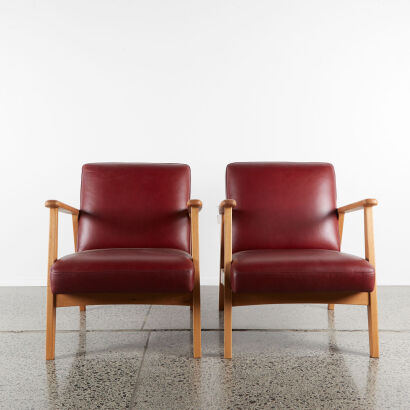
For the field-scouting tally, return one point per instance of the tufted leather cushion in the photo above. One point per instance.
(123, 270)
(283, 206)
(134, 206)
(300, 270)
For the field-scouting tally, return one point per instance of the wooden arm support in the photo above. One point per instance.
(55, 207)
(225, 290)
(52, 203)
(367, 205)
(225, 209)
(194, 206)
(355, 206)
(226, 203)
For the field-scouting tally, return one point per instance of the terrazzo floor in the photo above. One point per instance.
(140, 357)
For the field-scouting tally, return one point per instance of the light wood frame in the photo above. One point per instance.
(191, 299)
(227, 299)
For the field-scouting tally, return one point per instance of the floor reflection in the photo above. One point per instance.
(291, 379)
(273, 368)
(269, 370)
(101, 373)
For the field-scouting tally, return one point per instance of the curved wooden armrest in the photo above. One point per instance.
(357, 205)
(226, 203)
(194, 203)
(62, 207)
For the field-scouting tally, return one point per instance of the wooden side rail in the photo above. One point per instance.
(372, 315)
(64, 300)
(56, 207)
(347, 298)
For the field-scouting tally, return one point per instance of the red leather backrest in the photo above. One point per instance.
(283, 205)
(134, 206)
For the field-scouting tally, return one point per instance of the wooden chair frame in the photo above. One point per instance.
(54, 301)
(227, 299)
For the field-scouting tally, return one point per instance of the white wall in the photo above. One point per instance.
(205, 83)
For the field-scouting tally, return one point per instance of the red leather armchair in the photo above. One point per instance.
(136, 242)
(281, 236)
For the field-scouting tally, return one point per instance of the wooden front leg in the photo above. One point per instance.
(196, 295)
(372, 307)
(51, 299)
(227, 284)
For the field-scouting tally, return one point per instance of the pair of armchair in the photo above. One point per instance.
(136, 242)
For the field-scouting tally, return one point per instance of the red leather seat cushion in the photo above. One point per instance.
(283, 205)
(134, 206)
(123, 270)
(300, 270)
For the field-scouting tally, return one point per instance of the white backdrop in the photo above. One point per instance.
(204, 83)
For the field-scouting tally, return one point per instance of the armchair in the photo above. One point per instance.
(135, 241)
(280, 243)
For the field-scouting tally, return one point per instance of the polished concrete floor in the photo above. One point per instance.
(140, 357)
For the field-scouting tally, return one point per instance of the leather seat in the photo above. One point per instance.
(123, 270)
(300, 270)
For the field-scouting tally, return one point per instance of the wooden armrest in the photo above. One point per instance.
(52, 203)
(194, 203)
(355, 206)
(226, 203)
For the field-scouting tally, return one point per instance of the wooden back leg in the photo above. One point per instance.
(196, 325)
(50, 326)
(221, 296)
(373, 325)
(228, 323)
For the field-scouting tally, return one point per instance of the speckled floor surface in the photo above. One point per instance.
(140, 357)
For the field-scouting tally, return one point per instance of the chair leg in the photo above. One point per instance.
(373, 325)
(330, 306)
(82, 308)
(228, 324)
(196, 325)
(221, 296)
(50, 326)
